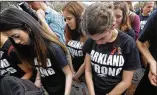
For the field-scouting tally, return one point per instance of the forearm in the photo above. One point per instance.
(145, 52)
(120, 88)
(47, 28)
(68, 84)
(80, 71)
(89, 82)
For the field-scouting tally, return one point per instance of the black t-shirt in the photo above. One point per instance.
(131, 33)
(52, 76)
(109, 60)
(75, 49)
(149, 33)
(9, 63)
(143, 21)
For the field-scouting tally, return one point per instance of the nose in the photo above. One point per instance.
(17, 41)
(67, 21)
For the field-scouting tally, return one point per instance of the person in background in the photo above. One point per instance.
(148, 84)
(72, 13)
(75, 38)
(111, 55)
(122, 18)
(146, 10)
(53, 18)
(40, 49)
(133, 19)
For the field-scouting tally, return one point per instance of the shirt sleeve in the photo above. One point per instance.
(87, 47)
(60, 56)
(14, 58)
(136, 25)
(131, 33)
(149, 28)
(131, 54)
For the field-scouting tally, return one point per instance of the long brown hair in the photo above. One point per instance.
(76, 9)
(14, 18)
(125, 25)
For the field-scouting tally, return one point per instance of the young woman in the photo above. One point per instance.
(38, 48)
(122, 18)
(10, 63)
(72, 13)
(133, 19)
(111, 56)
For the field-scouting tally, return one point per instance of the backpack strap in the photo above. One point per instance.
(9, 50)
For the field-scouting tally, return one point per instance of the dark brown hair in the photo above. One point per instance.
(41, 39)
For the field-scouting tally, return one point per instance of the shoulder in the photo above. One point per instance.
(125, 39)
(153, 16)
(54, 46)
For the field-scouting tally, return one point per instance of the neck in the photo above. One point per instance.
(114, 35)
(145, 14)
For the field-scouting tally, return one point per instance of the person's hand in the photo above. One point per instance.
(152, 78)
(153, 68)
(41, 14)
(38, 83)
(76, 78)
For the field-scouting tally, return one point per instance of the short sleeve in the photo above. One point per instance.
(149, 28)
(14, 58)
(131, 54)
(87, 47)
(136, 25)
(131, 33)
(60, 56)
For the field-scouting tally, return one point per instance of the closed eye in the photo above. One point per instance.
(15, 36)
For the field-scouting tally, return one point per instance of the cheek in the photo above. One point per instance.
(73, 24)
(25, 37)
(119, 20)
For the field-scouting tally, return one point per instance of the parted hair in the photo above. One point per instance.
(97, 18)
(76, 9)
(125, 24)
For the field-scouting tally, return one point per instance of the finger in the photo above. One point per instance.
(154, 73)
(152, 81)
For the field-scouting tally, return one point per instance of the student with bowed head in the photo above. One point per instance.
(39, 48)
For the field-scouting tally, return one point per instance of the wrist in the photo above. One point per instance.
(37, 79)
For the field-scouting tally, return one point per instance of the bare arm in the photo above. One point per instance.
(124, 84)
(68, 83)
(80, 71)
(88, 75)
(27, 69)
(151, 61)
(144, 61)
(41, 16)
